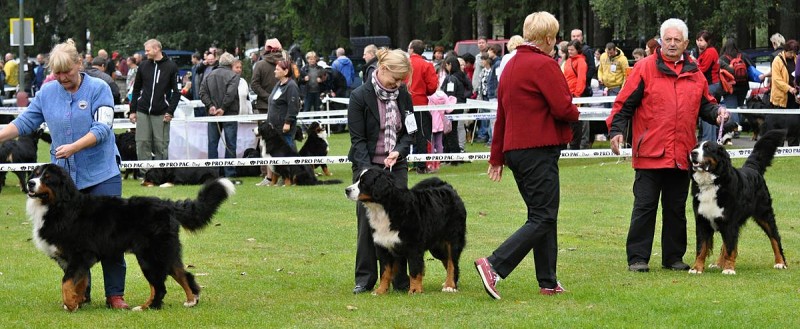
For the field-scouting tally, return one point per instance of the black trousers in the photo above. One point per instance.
(366, 269)
(672, 186)
(536, 173)
(423, 135)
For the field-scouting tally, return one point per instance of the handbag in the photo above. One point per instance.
(448, 126)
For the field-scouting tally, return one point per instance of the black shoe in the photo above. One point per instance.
(677, 266)
(360, 289)
(639, 267)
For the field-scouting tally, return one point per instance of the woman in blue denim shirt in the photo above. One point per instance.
(79, 111)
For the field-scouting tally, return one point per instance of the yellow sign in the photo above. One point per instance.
(16, 31)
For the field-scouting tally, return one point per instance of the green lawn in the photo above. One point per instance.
(283, 257)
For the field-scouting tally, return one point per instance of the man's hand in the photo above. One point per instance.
(495, 173)
(286, 128)
(132, 117)
(616, 143)
(722, 115)
(167, 117)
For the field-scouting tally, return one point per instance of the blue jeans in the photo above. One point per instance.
(114, 267)
(311, 102)
(708, 132)
(230, 129)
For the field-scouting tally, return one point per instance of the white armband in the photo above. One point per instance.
(105, 114)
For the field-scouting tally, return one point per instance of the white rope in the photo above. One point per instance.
(479, 156)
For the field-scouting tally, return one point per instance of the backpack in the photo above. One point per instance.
(739, 68)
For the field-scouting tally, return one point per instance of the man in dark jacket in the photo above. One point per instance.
(97, 70)
(370, 56)
(155, 98)
(264, 75)
(219, 93)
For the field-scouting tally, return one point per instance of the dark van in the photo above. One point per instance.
(471, 46)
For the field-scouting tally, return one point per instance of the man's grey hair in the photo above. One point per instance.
(226, 59)
(675, 23)
(340, 52)
(777, 39)
(371, 49)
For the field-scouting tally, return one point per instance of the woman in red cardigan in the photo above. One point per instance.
(708, 63)
(533, 116)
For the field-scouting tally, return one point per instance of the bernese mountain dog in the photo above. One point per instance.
(407, 222)
(76, 230)
(273, 145)
(168, 177)
(725, 197)
(316, 145)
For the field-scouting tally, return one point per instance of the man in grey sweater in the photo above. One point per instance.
(219, 93)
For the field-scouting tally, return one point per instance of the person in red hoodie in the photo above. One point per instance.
(422, 83)
(708, 63)
(534, 112)
(575, 69)
(663, 96)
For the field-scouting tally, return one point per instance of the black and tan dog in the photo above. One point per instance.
(407, 222)
(24, 149)
(725, 197)
(316, 145)
(76, 230)
(273, 145)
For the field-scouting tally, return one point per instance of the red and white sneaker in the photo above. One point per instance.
(552, 291)
(488, 276)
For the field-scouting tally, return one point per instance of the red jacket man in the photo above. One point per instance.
(423, 83)
(662, 98)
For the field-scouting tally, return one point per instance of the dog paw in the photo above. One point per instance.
(729, 271)
(191, 303)
(137, 309)
(449, 289)
(166, 185)
(780, 266)
(695, 271)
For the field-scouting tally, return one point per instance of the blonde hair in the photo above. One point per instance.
(64, 57)
(395, 61)
(539, 26)
(154, 43)
(311, 54)
(515, 41)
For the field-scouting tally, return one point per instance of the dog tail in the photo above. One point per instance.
(329, 182)
(196, 214)
(764, 150)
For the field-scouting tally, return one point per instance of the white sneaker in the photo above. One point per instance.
(265, 182)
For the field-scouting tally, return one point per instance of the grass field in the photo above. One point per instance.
(283, 257)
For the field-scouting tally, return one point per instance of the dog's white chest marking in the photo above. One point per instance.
(379, 221)
(36, 211)
(708, 206)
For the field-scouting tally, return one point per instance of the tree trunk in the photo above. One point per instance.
(403, 36)
(482, 24)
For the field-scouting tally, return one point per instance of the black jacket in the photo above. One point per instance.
(364, 122)
(155, 90)
(92, 71)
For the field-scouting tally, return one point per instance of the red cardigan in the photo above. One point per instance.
(534, 107)
(708, 63)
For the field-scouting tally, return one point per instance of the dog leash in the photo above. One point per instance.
(721, 130)
(719, 134)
